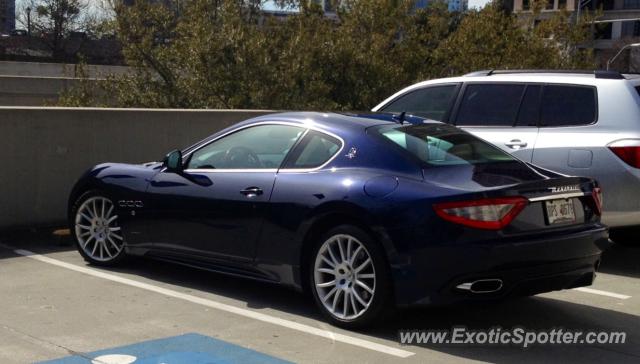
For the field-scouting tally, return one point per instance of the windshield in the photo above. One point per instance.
(441, 144)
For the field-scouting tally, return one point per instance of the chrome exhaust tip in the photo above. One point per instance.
(481, 286)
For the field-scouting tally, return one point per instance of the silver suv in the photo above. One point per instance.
(575, 123)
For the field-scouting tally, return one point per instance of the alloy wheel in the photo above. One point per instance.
(344, 277)
(97, 230)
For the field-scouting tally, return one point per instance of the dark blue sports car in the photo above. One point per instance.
(364, 212)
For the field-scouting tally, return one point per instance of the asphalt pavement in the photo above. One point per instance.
(53, 306)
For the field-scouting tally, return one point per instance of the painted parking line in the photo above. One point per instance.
(602, 293)
(188, 348)
(345, 339)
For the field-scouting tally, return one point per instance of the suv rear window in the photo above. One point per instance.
(430, 102)
(441, 144)
(490, 104)
(568, 105)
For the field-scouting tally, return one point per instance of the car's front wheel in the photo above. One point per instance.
(350, 278)
(95, 229)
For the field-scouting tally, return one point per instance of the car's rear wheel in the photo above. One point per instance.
(350, 277)
(96, 231)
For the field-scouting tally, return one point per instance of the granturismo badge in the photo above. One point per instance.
(565, 188)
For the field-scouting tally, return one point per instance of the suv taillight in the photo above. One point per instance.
(628, 150)
(487, 213)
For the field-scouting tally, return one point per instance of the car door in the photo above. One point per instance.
(215, 208)
(568, 142)
(504, 114)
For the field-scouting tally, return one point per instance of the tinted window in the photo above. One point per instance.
(568, 105)
(443, 144)
(315, 150)
(430, 102)
(490, 105)
(530, 108)
(259, 147)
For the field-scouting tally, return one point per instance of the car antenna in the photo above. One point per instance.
(400, 118)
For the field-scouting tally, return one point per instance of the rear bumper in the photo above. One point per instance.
(523, 267)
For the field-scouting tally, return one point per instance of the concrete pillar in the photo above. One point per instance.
(618, 4)
(634, 60)
(517, 5)
(616, 30)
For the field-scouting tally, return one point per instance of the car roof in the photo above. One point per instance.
(329, 121)
(593, 78)
(342, 125)
(550, 77)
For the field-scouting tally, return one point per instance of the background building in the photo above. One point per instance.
(454, 5)
(619, 25)
(7, 15)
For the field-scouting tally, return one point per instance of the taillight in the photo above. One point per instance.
(596, 195)
(628, 150)
(488, 213)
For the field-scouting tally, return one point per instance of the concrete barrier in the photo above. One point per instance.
(44, 150)
(59, 70)
(40, 84)
(32, 91)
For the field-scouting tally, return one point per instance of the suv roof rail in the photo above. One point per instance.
(613, 75)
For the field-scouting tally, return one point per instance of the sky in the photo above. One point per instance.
(472, 3)
(477, 3)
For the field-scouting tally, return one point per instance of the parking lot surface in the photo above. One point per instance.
(56, 307)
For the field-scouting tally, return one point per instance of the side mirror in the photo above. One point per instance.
(173, 162)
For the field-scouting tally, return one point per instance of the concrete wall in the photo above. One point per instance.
(44, 150)
(39, 84)
(38, 69)
(32, 91)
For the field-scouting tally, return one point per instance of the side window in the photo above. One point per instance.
(530, 108)
(490, 105)
(315, 150)
(257, 147)
(430, 102)
(568, 105)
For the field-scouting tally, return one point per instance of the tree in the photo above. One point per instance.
(53, 21)
(493, 39)
(227, 54)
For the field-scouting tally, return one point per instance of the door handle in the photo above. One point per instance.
(252, 191)
(516, 144)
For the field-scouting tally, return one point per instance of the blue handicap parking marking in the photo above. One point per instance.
(188, 348)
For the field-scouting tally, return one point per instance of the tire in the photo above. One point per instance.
(350, 292)
(95, 230)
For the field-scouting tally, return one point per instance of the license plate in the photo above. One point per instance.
(560, 211)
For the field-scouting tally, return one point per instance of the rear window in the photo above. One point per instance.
(441, 144)
(430, 102)
(490, 104)
(316, 149)
(568, 105)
